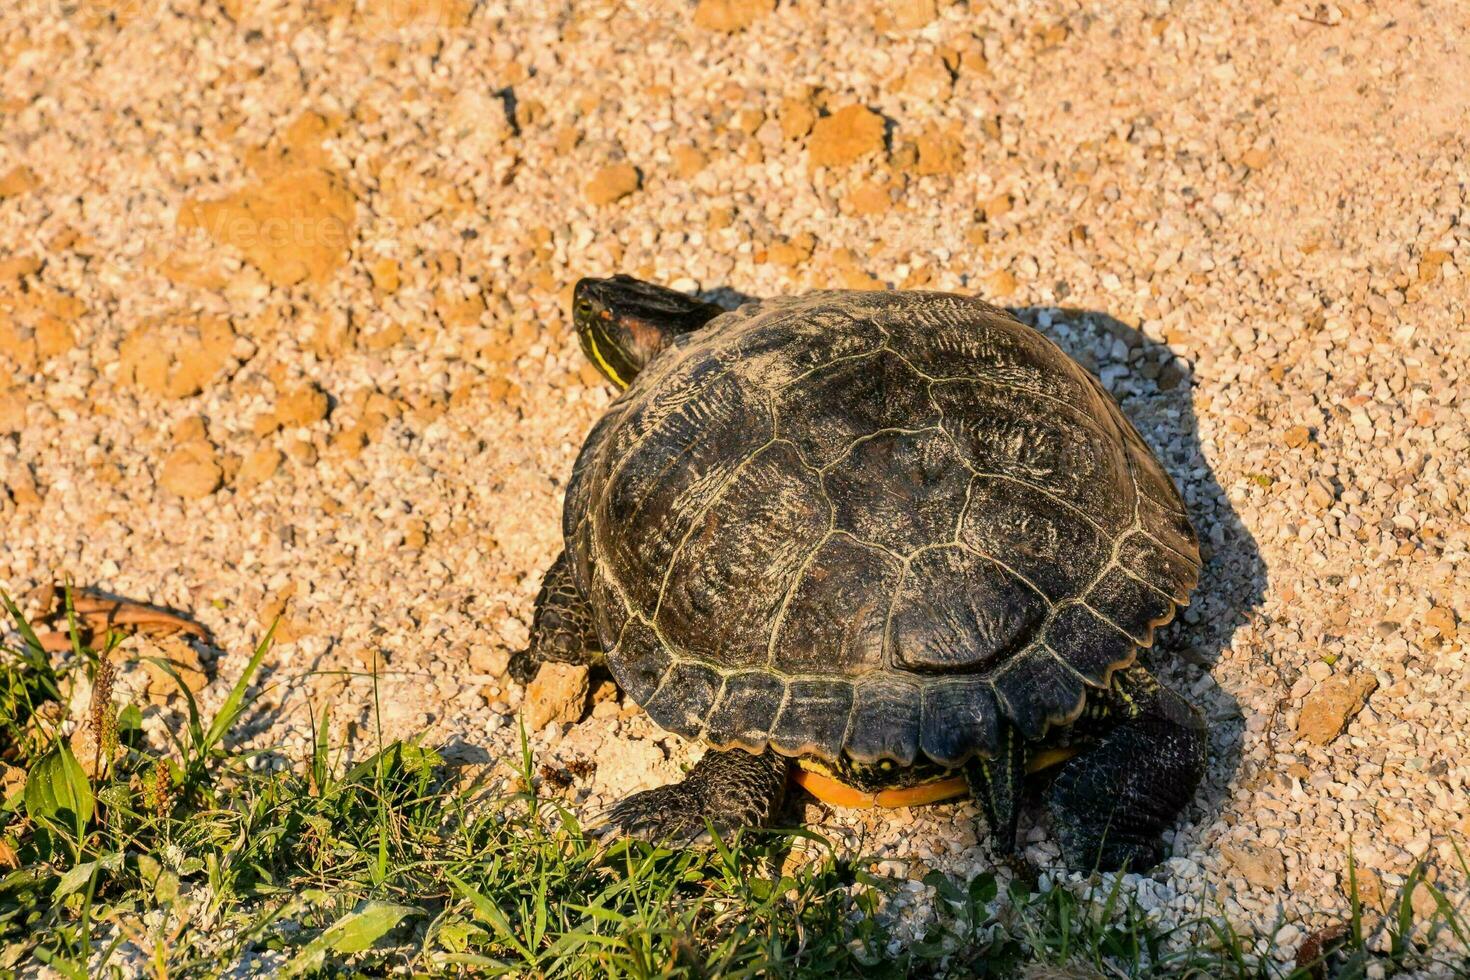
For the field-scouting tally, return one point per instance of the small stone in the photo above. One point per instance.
(558, 693)
(184, 660)
(748, 121)
(689, 161)
(1000, 283)
(730, 15)
(36, 324)
(350, 442)
(52, 336)
(176, 359)
(1263, 867)
(190, 429)
(301, 407)
(850, 271)
(278, 611)
(12, 411)
(996, 206)
(905, 157)
(83, 744)
(1297, 436)
(489, 660)
(425, 15)
(1302, 687)
(456, 310)
(386, 276)
(1255, 158)
(1369, 885)
(1321, 493)
(1332, 704)
(415, 534)
(909, 15)
(968, 58)
(1430, 262)
(12, 779)
(16, 267)
(845, 137)
(18, 181)
(191, 471)
(797, 117)
(612, 183)
(868, 197)
(930, 80)
(720, 218)
(1423, 902)
(259, 466)
(794, 251)
(939, 153)
(24, 490)
(1442, 619)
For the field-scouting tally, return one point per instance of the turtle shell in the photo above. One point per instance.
(872, 524)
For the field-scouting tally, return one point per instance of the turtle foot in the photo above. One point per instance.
(1111, 804)
(724, 792)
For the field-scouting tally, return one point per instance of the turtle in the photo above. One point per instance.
(893, 547)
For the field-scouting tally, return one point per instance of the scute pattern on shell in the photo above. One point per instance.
(871, 523)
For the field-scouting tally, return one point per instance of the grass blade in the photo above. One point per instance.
(234, 703)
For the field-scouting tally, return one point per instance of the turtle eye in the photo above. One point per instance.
(584, 307)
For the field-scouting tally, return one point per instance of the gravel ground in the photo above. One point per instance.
(283, 330)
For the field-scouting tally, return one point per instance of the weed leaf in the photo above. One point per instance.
(58, 784)
(353, 933)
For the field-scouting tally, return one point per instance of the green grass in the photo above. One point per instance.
(195, 859)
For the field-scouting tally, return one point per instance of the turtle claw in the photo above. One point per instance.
(521, 668)
(1135, 856)
(1023, 868)
(724, 792)
(663, 815)
(599, 830)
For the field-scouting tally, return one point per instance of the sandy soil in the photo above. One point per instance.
(283, 331)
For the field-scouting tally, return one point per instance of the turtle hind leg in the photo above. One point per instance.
(730, 790)
(561, 628)
(1110, 805)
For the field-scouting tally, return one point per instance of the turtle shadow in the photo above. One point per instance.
(1154, 387)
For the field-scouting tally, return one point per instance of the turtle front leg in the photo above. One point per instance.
(996, 784)
(730, 790)
(1110, 804)
(561, 628)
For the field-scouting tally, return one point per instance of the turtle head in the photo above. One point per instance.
(624, 322)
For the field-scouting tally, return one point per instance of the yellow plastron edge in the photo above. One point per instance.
(838, 793)
(830, 790)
